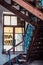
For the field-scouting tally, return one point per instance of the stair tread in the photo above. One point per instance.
(21, 60)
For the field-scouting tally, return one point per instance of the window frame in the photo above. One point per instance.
(13, 30)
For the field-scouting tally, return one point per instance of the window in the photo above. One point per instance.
(13, 32)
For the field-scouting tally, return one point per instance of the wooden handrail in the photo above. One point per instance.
(15, 46)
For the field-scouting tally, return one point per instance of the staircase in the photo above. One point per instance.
(36, 49)
(21, 58)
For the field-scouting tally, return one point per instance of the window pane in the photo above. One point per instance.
(7, 47)
(18, 38)
(19, 30)
(8, 30)
(13, 20)
(19, 48)
(8, 38)
(6, 20)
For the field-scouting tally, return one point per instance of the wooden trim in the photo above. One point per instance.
(4, 14)
(3, 37)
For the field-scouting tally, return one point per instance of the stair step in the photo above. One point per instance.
(21, 60)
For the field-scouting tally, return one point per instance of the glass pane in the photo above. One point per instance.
(19, 30)
(6, 20)
(18, 38)
(13, 20)
(19, 48)
(8, 30)
(6, 47)
(8, 38)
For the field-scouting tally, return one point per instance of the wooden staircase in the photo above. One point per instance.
(36, 49)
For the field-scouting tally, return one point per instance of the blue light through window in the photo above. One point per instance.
(42, 2)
